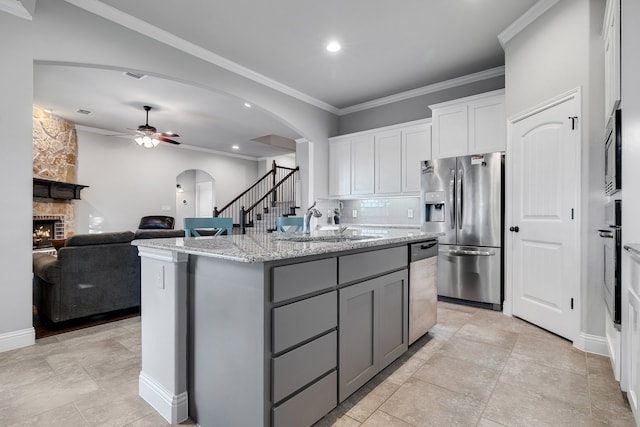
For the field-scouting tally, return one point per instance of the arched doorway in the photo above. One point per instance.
(195, 195)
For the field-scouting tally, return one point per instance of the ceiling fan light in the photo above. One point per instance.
(154, 142)
(139, 140)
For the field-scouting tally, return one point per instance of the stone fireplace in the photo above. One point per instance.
(55, 151)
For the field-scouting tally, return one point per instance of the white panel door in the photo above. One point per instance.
(544, 233)
(388, 162)
(416, 147)
(362, 166)
(204, 199)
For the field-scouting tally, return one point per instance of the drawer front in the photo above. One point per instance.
(295, 280)
(308, 406)
(294, 323)
(299, 367)
(351, 267)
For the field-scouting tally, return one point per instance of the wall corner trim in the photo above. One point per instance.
(525, 20)
(16, 8)
(17, 339)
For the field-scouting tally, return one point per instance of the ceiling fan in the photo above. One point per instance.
(147, 136)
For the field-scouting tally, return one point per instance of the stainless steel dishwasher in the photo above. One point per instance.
(423, 290)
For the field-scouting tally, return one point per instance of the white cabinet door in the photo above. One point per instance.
(362, 166)
(450, 131)
(611, 35)
(416, 147)
(388, 162)
(340, 167)
(630, 375)
(487, 125)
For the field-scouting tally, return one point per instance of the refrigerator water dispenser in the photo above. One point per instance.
(434, 206)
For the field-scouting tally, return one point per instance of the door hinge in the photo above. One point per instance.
(573, 119)
(571, 303)
(571, 213)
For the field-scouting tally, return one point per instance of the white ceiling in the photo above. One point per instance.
(388, 47)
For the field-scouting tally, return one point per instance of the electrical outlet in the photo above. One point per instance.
(354, 213)
(409, 213)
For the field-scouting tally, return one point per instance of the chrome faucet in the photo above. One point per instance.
(312, 211)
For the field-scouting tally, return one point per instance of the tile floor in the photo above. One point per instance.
(475, 368)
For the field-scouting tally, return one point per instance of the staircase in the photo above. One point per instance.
(255, 210)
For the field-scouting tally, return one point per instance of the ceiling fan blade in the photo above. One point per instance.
(171, 141)
(169, 135)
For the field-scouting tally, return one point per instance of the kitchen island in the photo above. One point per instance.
(268, 330)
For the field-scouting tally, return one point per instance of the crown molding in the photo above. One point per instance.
(16, 8)
(436, 87)
(114, 15)
(525, 20)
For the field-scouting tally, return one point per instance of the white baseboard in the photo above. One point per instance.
(174, 409)
(16, 339)
(592, 344)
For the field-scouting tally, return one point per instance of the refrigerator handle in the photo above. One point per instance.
(452, 204)
(459, 196)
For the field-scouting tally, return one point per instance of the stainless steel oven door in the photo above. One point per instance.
(611, 239)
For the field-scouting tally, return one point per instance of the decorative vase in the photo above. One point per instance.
(336, 219)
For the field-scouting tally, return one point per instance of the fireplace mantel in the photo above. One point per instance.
(47, 189)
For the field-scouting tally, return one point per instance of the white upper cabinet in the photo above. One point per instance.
(362, 166)
(611, 36)
(416, 147)
(388, 162)
(450, 131)
(471, 125)
(340, 167)
(379, 161)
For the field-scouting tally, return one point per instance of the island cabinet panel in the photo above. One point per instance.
(373, 328)
(303, 320)
(368, 264)
(296, 280)
(297, 368)
(308, 406)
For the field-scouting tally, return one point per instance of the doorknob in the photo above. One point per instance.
(514, 229)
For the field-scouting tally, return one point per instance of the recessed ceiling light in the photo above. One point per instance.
(333, 46)
(246, 104)
(235, 147)
(48, 110)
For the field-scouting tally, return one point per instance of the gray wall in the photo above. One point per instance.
(16, 111)
(127, 182)
(411, 109)
(558, 52)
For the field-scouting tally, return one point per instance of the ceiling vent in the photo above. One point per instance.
(136, 76)
(81, 111)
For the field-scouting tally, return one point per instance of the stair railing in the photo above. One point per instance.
(278, 184)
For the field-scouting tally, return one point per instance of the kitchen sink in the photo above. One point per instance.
(331, 239)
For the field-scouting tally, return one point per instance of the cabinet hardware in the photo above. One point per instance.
(514, 229)
(571, 303)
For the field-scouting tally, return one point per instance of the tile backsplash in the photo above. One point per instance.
(379, 210)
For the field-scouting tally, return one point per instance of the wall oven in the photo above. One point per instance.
(613, 155)
(611, 238)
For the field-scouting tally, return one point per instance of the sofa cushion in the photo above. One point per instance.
(100, 239)
(46, 267)
(158, 234)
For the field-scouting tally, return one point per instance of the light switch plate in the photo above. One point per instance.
(354, 213)
(410, 213)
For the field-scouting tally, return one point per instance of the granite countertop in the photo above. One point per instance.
(271, 246)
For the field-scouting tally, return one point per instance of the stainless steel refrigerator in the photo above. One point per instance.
(462, 197)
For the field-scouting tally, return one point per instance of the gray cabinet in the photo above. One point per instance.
(304, 342)
(373, 328)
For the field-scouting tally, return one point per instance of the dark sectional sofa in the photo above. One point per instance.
(92, 274)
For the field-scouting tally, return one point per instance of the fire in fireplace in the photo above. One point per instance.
(46, 229)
